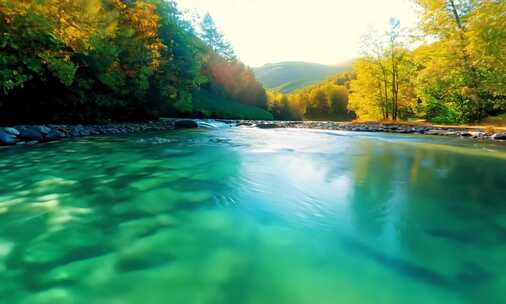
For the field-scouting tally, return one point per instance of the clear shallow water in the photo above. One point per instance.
(254, 216)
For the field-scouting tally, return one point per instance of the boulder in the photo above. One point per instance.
(7, 138)
(31, 134)
(185, 124)
(12, 131)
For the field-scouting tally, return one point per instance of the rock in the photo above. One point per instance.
(12, 131)
(499, 136)
(268, 126)
(246, 124)
(31, 134)
(44, 130)
(473, 134)
(84, 132)
(75, 133)
(7, 138)
(434, 132)
(53, 135)
(185, 124)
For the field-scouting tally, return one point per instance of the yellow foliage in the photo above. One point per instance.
(142, 16)
(75, 22)
(366, 99)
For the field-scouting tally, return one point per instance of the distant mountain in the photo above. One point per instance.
(290, 76)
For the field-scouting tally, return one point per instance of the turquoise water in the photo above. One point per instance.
(254, 216)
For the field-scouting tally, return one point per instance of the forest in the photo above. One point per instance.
(117, 60)
(456, 73)
(84, 61)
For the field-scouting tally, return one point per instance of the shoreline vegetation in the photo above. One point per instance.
(449, 69)
(101, 61)
(112, 61)
(30, 135)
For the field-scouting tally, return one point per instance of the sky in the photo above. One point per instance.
(319, 31)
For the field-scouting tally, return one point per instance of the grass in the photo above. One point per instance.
(211, 106)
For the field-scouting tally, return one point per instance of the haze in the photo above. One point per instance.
(321, 31)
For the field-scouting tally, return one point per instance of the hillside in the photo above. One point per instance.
(290, 76)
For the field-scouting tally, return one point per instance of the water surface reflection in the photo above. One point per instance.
(253, 216)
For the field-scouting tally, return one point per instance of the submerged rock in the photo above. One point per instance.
(186, 124)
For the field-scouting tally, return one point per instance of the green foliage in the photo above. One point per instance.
(215, 40)
(233, 80)
(280, 107)
(327, 100)
(458, 77)
(102, 60)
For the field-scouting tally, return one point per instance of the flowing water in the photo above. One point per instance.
(254, 216)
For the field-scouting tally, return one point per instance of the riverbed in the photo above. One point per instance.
(247, 215)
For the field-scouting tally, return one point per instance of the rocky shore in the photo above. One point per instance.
(28, 135)
(469, 132)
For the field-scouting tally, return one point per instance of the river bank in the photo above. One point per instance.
(28, 135)
(483, 133)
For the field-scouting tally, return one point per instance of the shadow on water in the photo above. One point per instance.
(400, 266)
(470, 273)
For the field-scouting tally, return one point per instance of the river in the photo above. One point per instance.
(243, 215)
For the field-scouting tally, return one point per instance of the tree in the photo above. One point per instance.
(368, 91)
(97, 60)
(234, 80)
(470, 81)
(279, 106)
(338, 100)
(383, 89)
(215, 39)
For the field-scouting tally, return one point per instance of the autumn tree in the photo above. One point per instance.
(383, 89)
(97, 60)
(470, 84)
